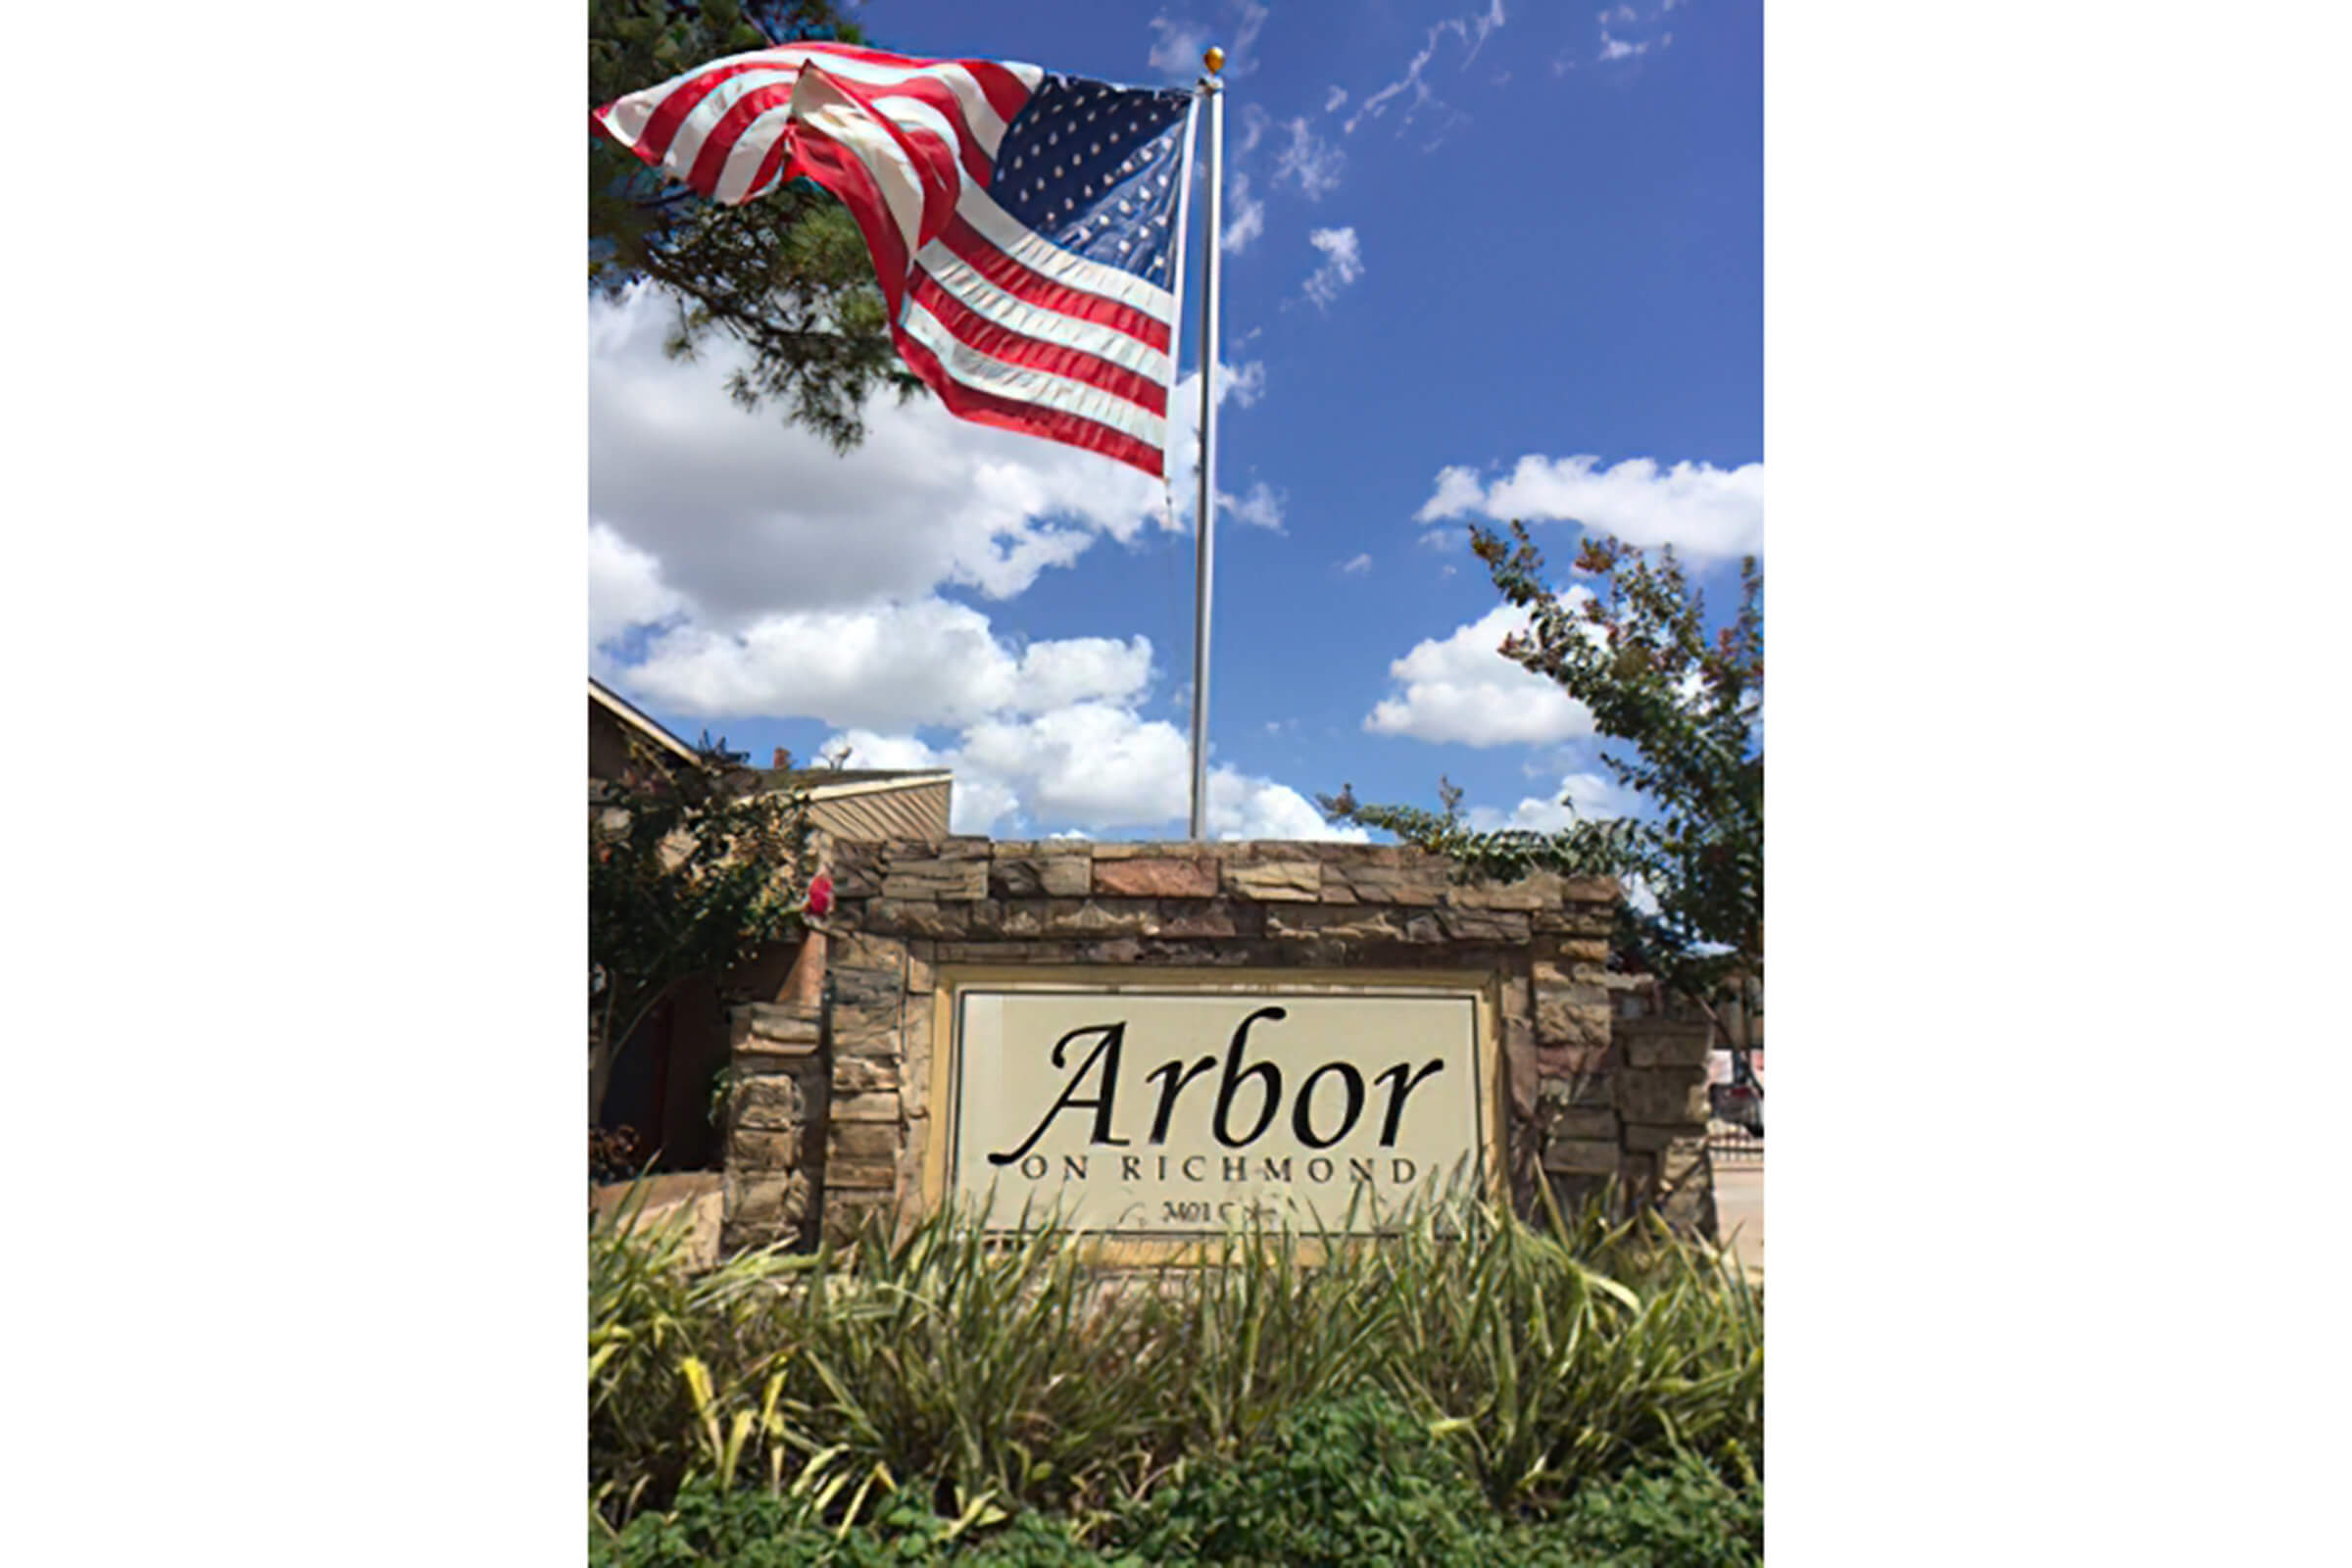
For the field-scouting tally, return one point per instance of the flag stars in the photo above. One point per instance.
(1107, 198)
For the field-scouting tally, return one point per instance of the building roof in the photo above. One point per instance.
(834, 783)
(873, 802)
(619, 707)
(849, 802)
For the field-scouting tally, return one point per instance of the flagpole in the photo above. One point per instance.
(1205, 547)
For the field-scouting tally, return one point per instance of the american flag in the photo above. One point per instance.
(1026, 228)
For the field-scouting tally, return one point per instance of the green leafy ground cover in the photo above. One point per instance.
(1578, 1394)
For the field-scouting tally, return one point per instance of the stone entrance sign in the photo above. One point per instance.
(1174, 1107)
(1143, 962)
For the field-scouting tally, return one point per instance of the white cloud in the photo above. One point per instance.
(1586, 797)
(1177, 45)
(1240, 807)
(1244, 216)
(624, 587)
(1309, 161)
(1628, 20)
(1244, 384)
(1239, 384)
(765, 575)
(1092, 764)
(1480, 26)
(1459, 688)
(1332, 100)
(1372, 107)
(1458, 490)
(1097, 765)
(866, 749)
(1070, 669)
(748, 515)
(739, 517)
(1698, 508)
(1261, 507)
(1254, 121)
(1471, 30)
(1357, 566)
(890, 666)
(1343, 264)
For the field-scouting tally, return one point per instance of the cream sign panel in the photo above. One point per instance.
(1178, 1112)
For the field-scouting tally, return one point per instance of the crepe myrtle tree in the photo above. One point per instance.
(691, 868)
(1685, 711)
(786, 277)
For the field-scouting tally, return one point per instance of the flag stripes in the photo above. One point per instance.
(1008, 327)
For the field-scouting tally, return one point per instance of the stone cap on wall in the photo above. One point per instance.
(1282, 891)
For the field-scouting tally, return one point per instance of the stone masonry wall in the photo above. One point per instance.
(777, 1089)
(831, 1115)
(1660, 1093)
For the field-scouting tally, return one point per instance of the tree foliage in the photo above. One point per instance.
(690, 870)
(1687, 709)
(787, 276)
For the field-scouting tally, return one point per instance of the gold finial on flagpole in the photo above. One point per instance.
(1213, 58)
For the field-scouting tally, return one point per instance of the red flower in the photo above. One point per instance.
(821, 895)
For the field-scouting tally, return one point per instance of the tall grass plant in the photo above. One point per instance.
(975, 1377)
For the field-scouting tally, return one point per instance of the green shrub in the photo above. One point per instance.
(1352, 1481)
(1359, 1482)
(705, 1528)
(747, 1529)
(1683, 1516)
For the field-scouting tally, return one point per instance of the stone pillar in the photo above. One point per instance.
(1661, 1097)
(775, 1098)
(1576, 1125)
(868, 1133)
(805, 986)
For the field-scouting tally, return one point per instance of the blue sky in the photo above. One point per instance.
(1481, 262)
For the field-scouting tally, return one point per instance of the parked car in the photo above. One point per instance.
(1739, 1102)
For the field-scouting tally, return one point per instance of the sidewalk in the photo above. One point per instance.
(694, 1194)
(1740, 1210)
